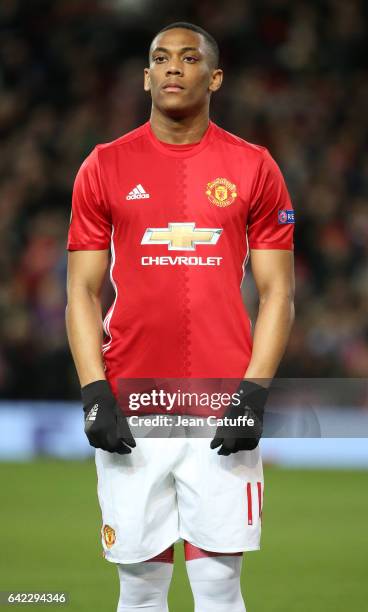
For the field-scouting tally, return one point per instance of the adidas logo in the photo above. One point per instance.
(138, 193)
(92, 415)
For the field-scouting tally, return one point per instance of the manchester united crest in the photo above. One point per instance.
(221, 192)
(109, 535)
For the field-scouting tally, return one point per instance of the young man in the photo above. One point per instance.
(177, 201)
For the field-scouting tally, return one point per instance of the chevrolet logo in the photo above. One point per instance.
(181, 236)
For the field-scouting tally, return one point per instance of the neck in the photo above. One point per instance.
(179, 130)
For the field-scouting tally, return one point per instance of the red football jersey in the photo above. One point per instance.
(179, 220)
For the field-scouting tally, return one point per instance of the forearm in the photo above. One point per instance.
(84, 329)
(271, 333)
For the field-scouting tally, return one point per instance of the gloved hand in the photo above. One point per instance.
(105, 425)
(235, 437)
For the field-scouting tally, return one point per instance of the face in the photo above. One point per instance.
(181, 75)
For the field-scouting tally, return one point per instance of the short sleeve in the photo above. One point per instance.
(271, 216)
(90, 225)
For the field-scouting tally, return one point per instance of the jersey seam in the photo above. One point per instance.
(87, 247)
(100, 181)
(107, 320)
(243, 144)
(256, 178)
(273, 245)
(119, 142)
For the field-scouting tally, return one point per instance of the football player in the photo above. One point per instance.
(180, 204)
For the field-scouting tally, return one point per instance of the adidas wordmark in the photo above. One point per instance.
(138, 193)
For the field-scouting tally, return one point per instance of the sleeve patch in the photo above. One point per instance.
(285, 217)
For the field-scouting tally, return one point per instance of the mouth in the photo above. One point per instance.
(172, 88)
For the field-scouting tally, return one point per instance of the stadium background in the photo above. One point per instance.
(295, 81)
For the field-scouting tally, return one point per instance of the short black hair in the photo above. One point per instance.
(211, 42)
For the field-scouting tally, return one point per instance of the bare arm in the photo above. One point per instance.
(86, 271)
(273, 272)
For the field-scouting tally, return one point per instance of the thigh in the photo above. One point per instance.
(145, 585)
(220, 498)
(138, 500)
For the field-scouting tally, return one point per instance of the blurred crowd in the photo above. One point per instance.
(295, 81)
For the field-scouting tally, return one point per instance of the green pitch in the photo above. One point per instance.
(314, 543)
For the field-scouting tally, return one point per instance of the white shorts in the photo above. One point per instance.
(171, 489)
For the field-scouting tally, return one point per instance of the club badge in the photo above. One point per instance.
(221, 192)
(109, 536)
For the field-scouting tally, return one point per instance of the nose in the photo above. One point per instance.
(174, 68)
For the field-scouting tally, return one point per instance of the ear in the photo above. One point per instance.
(147, 81)
(216, 80)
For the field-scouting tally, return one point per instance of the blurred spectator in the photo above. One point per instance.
(295, 81)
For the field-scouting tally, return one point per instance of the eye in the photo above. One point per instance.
(159, 59)
(191, 59)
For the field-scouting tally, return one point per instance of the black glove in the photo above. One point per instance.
(105, 425)
(242, 436)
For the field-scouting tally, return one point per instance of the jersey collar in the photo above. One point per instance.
(180, 150)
